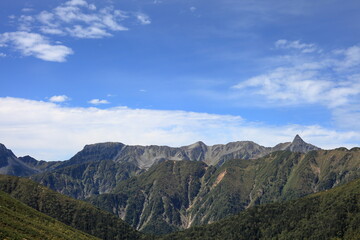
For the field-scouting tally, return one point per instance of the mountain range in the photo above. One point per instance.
(160, 189)
(83, 175)
(333, 214)
(176, 195)
(144, 157)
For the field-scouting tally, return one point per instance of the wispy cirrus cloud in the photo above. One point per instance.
(51, 131)
(74, 18)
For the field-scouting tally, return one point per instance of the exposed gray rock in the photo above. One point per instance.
(297, 145)
(145, 156)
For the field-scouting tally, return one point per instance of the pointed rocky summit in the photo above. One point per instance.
(297, 140)
(299, 145)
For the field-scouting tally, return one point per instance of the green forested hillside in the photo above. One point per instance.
(179, 194)
(19, 221)
(157, 200)
(333, 214)
(82, 180)
(80, 215)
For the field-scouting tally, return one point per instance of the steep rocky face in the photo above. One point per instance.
(11, 165)
(179, 194)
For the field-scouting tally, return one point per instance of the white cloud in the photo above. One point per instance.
(52, 132)
(25, 23)
(59, 98)
(192, 9)
(79, 19)
(2, 54)
(33, 44)
(305, 48)
(351, 57)
(330, 79)
(301, 85)
(143, 18)
(99, 101)
(75, 18)
(76, 2)
(50, 30)
(87, 32)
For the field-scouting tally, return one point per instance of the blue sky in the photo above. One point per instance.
(175, 72)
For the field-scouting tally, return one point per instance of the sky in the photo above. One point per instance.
(170, 72)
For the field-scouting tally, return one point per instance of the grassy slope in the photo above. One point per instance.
(80, 215)
(19, 221)
(333, 214)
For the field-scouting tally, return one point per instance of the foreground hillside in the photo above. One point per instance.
(19, 221)
(333, 214)
(80, 215)
(176, 195)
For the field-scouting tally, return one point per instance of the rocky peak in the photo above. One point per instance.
(298, 140)
(11, 165)
(299, 145)
(5, 152)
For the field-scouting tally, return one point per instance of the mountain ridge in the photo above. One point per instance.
(128, 161)
(145, 156)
